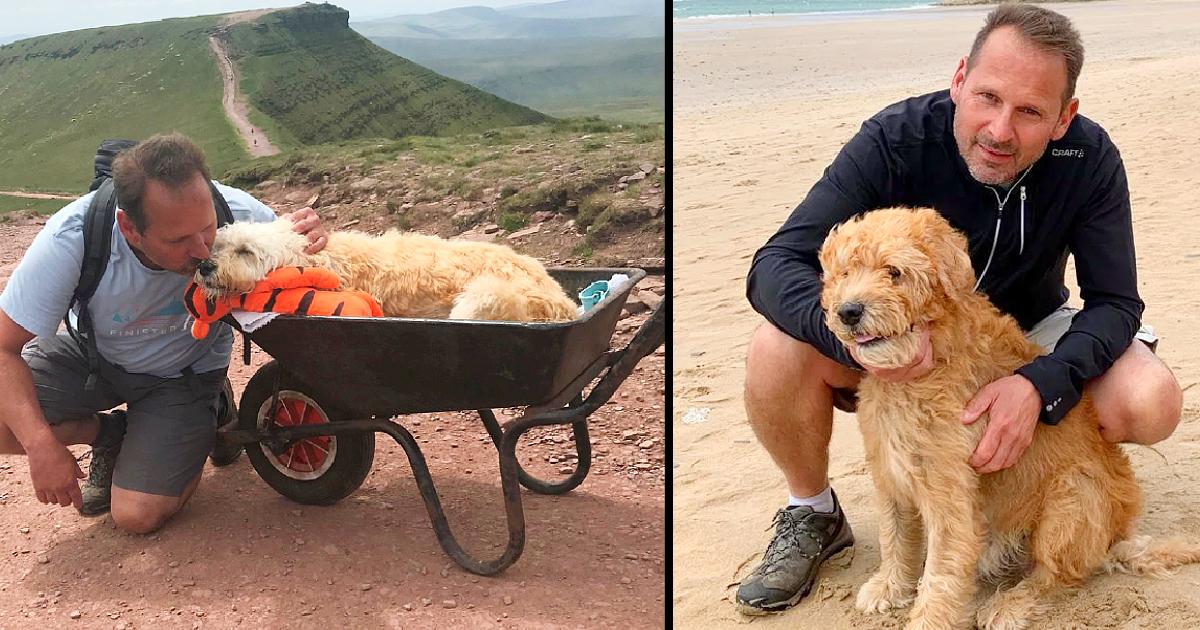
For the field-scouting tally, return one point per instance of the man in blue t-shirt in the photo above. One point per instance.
(147, 459)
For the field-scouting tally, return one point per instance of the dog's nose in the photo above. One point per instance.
(850, 313)
(206, 267)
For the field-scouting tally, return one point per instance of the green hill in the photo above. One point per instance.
(619, 79)
(568, 58)
(310, 78)
(61, 94)
(318, 81)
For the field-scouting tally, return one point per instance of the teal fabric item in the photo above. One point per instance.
(593, 294)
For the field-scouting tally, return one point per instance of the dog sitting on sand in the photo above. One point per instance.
(1064, 511)
(410, 275)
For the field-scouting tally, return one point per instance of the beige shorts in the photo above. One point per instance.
(1045, 333)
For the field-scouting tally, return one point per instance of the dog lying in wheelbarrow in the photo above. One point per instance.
(411, 275)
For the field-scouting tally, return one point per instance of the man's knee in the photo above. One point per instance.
(1143, 404)
(137, 513)
(1155, 408)
(139, 521)
(776, 360)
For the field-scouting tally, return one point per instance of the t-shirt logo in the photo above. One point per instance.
(162, 321)
(1071, 153)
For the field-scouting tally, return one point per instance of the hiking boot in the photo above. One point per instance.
(803, 540)
(224, 452)
(97, 490)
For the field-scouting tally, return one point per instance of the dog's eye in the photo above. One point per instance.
(893, 272)
(242, 252)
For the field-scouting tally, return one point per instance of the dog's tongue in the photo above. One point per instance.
(864, 338)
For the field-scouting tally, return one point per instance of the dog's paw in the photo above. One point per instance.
(882, 593)
(1004, 611)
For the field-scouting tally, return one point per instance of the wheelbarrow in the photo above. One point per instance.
(308, 418)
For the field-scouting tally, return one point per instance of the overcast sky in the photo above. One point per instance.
(39, 17)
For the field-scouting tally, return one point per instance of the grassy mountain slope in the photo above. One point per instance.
(621, 79)
(488, 23)
(60, 95)
(319, 81)
(599, 184)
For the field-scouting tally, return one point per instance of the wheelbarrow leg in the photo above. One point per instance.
(437, 517)
(583, 448)
(492, 425)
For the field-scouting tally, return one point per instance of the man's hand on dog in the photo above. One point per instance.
(1012, 404)
(305, 221)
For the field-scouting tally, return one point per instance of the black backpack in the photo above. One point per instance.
(97, 244)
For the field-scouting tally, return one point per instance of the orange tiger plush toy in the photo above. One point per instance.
(288, 290)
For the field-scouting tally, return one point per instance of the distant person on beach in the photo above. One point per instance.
(146, 459)
(1005, 158)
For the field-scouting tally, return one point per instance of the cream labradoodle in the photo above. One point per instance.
(411, 275)
(1063, 512)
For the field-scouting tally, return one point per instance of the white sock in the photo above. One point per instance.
(819, 502)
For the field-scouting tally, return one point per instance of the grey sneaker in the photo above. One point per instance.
(97, 490)
(803, 540)
(225, 452)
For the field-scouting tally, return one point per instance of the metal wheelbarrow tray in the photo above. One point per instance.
(309, 417)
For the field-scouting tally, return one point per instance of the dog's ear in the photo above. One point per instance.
(823, 253)
(946, 248)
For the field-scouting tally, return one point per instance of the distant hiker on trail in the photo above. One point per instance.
(146, 460)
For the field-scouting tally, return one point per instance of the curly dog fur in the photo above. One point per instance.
(1063, 512)
(411, 275)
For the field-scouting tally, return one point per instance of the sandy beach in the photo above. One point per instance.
(761, 105)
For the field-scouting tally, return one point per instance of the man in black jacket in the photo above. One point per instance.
(1004, 157)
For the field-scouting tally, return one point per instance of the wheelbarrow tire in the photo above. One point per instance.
(352, 459)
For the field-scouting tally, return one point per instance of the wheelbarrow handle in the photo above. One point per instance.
(650, 336)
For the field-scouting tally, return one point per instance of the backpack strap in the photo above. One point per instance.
(97, 245)
(224, 214)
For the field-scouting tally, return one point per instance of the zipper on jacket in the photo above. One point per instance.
(999, 216)
(1022, 249)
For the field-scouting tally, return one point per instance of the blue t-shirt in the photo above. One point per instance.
(138, 314)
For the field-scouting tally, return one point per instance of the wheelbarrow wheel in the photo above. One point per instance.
(316, 471)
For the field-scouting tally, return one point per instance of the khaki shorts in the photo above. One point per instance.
(1045, 333)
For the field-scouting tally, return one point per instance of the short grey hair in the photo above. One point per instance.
(1052, 32)
(171, 159)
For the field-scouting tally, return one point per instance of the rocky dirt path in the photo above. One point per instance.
(32, 195)
(242, 556)
(235, 105)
